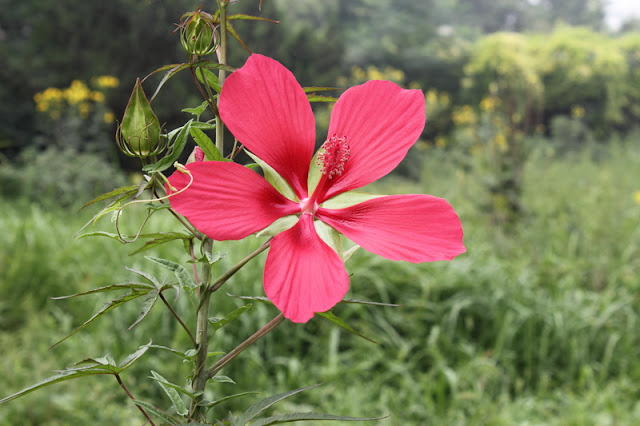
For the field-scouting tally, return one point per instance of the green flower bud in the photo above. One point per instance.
(139, 133)
(197, 33)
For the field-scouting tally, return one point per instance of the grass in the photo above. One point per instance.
(533, 325)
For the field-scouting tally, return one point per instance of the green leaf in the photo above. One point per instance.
(61, 377)
(128, 190)
(255, 298)
(210, 404)
(319, 98)
(114, 206)
(222, 379)
(121, 286)
(294, 417)
(202, 125)
(204, 75)
(158, 412)
(160, 238)
(218, 323)
(102, 234)
(197, 111)
(147, 303)
(208, 147)
(153, 280)
(177, 148)
(173, 351)
(340, 323)
(244, 17)
(184, 277)
(129, 360)
(158, 378)
(262, 405)
(172, 393)
(134, 294)
(277, 181)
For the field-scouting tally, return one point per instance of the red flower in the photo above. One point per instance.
(372, 128)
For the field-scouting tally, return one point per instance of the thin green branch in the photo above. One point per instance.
(244, 345)
(177, 317)
(133, 399)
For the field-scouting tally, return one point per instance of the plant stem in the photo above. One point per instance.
(244, 345)
(202, 322)
(222, 74)
(175, 314)
(133, 399)
(224, 277)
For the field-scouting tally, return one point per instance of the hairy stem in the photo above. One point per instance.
(244, 345)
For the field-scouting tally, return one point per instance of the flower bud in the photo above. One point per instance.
(139, 133)
(197, 33)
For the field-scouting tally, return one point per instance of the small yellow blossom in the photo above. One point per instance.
(109, 117)
(97, 97)
(106, 82)
(577, 111)
(77, 92)
(636, 197)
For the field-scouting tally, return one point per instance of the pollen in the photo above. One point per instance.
(333, 155)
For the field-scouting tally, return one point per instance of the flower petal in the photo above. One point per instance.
(381, 121)
(302, 274)
(266, 109)
(227, 201)
(415, 228)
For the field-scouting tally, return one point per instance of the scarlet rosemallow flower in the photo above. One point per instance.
(372, 128)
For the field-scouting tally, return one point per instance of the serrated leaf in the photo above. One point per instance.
(217, 323)
(214, 257)
(222, 379)
(153, 280)
(203, 126)
(255, 298)
(114, 206)
(184, 277)
(127, 297)
(158, 412)
(208, 147)
(173, 351)
(172, 393)
(330, 316)
(197, 111)
(130, 359)
(294, 417)
(160, 238)
(120, 286)
(147, 303)
(262, 405)
(129, 190)
(177, 148)
(210, 404)
(61, 377)
(274, 178)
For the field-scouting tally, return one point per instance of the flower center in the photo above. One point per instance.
(308, 206)
(334, 153)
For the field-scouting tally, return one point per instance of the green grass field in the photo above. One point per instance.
(534, 325)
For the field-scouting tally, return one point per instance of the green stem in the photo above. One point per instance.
(244, 345)
(177, 317)
(202, 323)
(222, 74)
(133, 399)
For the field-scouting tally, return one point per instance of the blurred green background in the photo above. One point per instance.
(532, 135)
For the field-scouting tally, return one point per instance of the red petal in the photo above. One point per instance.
(416, 228)
(266, 109)
(302, 274)
(381, 121)
(227, 201)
